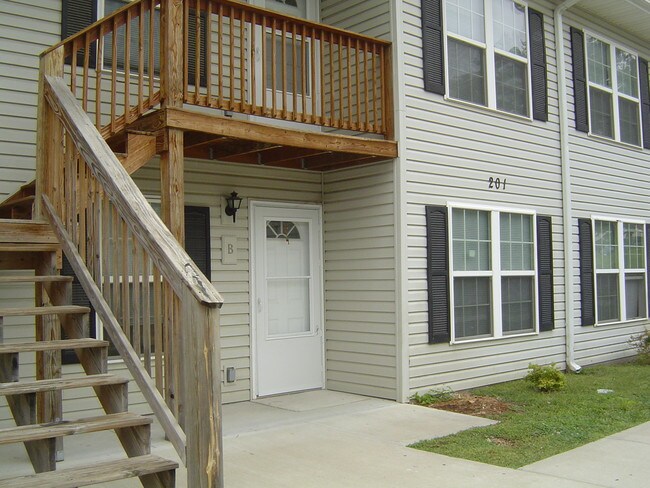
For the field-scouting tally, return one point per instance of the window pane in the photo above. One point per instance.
(607, 297)
(516, 242)
(517, 306)
(599, 61)
(626, 73)
(600, 103)
(628, 112)
(466, 72)
(472, 309)
(510, 27)
(633, 246)
(466, 18)
(512, 91)
(635, 296)
(606, 237)
(471, 240)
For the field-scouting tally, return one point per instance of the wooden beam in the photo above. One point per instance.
(140, 148)
(254, 131)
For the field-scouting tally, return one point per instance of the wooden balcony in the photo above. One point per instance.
(242, 84)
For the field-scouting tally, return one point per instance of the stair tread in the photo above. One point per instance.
(36, 279)
(35, 432)
(96, 473)
(27, 247)
(22, 387)
(51, 345)
(17, 201)
(19, 312)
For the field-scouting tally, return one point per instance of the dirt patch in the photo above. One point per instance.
(479, 406)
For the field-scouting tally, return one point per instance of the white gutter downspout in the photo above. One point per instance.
(567, 210)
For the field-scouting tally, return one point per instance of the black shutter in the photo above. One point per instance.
(545, 273)
(438, 274)
(197, 237)
(433, 46)
(645, 101)
(76, 15)
(191, 48)
(579, 79)
(647, 260)
(79, 298)
(538, 64)
(587, 287)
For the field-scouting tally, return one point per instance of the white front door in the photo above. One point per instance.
(287, 299)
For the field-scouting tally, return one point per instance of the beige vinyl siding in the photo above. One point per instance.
(368, 17)
(608, 179)
(360, 313)
(26, 29)
(452, 149)
(207, 184)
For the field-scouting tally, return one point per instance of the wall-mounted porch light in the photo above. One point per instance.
(233, 202)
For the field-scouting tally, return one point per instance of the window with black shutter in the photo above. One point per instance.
(485, 279)
(613, 270)
(610, 85)
(488, 53)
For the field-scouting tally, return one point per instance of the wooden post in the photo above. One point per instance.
(202, 383)
(172, 195)
(49, 135)
(49, 406)
(388, 103)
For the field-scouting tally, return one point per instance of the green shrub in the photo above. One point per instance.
(433, 396)
(641, 343)
(546, 378)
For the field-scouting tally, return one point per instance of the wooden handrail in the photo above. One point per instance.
(172, 259)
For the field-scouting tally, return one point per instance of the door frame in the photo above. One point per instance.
(252, 206)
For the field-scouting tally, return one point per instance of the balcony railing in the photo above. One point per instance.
(230, 56)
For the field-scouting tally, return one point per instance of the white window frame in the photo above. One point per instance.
(613, 91)
(495, 274)
(621, 270)
(489, 54)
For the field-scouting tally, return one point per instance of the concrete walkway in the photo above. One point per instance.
(328, 439)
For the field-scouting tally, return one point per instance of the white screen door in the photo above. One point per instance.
(287, 298)
(294, 72)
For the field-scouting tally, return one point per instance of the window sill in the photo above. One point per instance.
(458, 342)
(622, 322)
(488, 110)
(614, 142)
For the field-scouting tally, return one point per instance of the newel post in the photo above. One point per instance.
(49, 134)
(388, 103)
(202, 395)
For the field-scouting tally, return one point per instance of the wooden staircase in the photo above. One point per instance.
(36, 403)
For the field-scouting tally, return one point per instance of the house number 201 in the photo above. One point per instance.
(496, 183)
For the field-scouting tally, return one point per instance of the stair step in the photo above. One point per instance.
(39, 386)
(97, 473)
(38, 247)
(28, 311)
(36, 432)
(17, 201)
(51, 345)
(36, 279)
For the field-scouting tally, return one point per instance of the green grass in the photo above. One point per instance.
(544, 424)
